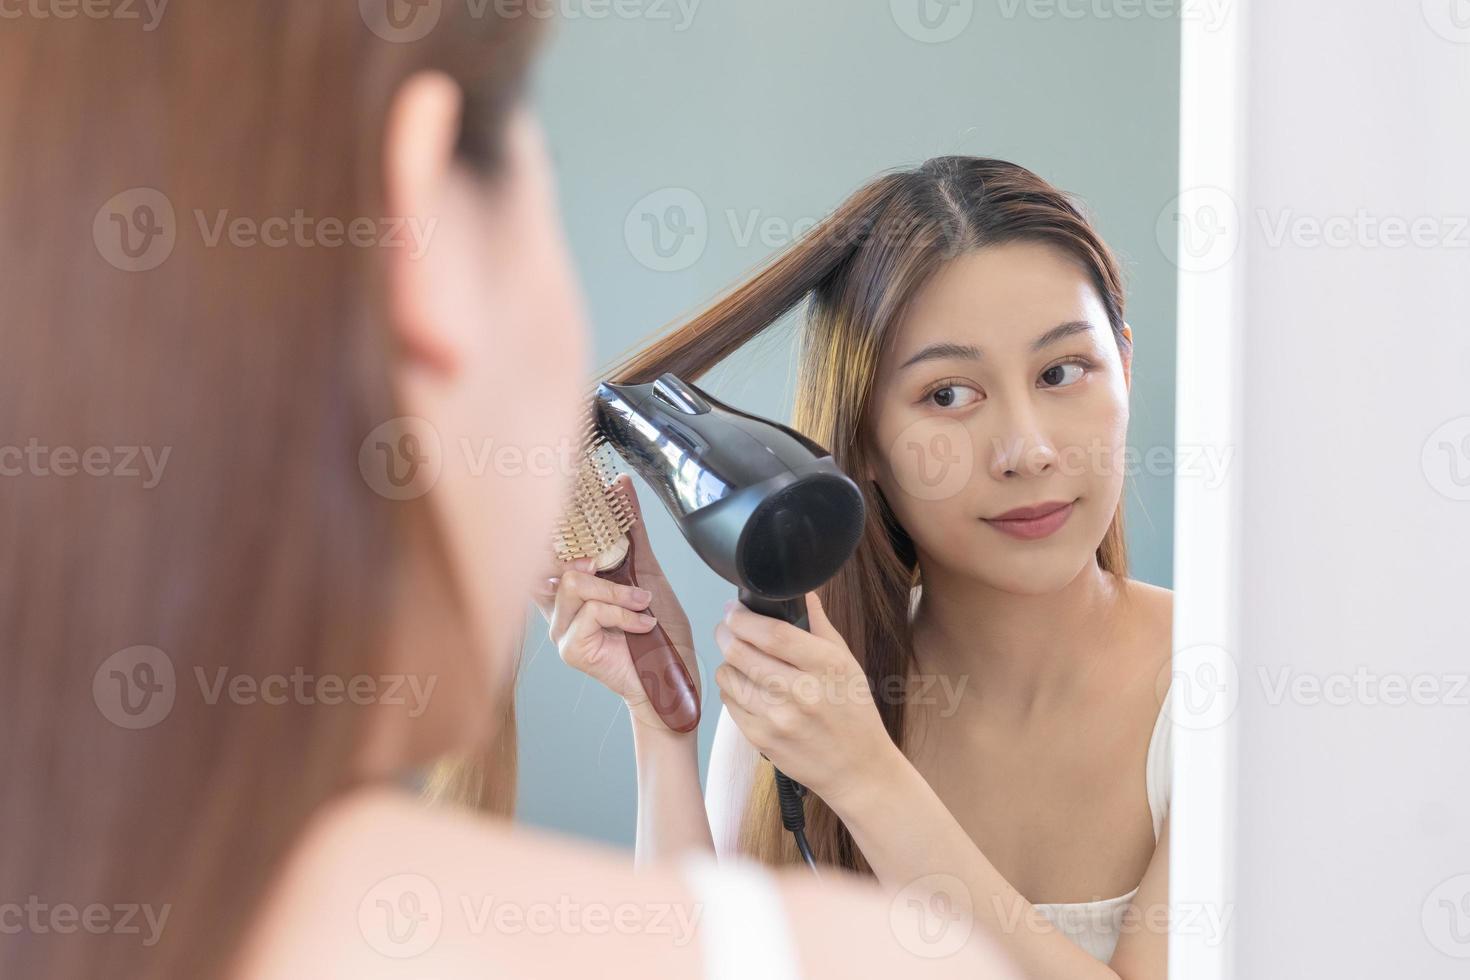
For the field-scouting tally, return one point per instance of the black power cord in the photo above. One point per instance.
(793, 814)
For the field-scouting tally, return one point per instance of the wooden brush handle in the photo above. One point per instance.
(661, 670)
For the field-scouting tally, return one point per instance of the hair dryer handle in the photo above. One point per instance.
(788, 791)
(792, 611)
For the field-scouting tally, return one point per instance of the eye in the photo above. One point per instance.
(1058, 373)
(951, 394)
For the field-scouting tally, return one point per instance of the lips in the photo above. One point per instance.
(1031, 513)
(1030, 523)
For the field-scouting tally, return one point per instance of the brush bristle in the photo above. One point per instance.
(596, 519)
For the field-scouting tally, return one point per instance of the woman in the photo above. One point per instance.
(980, 693)
(302, 257)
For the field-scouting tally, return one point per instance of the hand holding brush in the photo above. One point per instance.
(598, 606)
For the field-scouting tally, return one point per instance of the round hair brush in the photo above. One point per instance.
(595, 525)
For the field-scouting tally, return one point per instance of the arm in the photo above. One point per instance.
(794, 695)
(671, 816)
(665, 796)
(1143, 947)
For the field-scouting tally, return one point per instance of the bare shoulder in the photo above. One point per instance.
(1151, 635)
(384, 886)
(1152, 600)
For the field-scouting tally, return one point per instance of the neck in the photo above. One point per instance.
(442, 707)
(1027, 651)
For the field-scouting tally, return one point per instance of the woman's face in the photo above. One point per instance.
(1003, 388)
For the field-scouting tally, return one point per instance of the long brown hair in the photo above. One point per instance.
(859, 269)
(180, 445)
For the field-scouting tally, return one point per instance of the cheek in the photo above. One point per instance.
(519, 404)
(1093, 445)
(927, 469)
(537, 420)
(926, 462)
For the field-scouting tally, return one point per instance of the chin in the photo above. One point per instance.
(1014, 582)
(1033, 574)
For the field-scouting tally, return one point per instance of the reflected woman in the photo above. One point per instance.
(981, 694)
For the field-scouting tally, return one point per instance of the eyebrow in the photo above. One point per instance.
(939, 351)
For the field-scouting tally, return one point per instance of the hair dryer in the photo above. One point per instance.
(761, 504)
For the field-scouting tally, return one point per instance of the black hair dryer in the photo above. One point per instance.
(764, 506)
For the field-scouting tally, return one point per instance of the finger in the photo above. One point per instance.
(543, 590)
(772, 636)
(550, 565)
(759, 667)
(736, 687)
(816, 617)
(577, 587)
(544, 597)
(584, 632)
(750, 725)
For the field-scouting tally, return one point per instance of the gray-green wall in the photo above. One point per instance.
(767, 113)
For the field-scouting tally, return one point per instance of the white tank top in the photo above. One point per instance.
(743, 929)
(1094, 926)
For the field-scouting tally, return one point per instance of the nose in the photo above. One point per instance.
(1020, 445)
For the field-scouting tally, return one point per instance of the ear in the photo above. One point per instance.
(418, 160)
(1128, 357)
